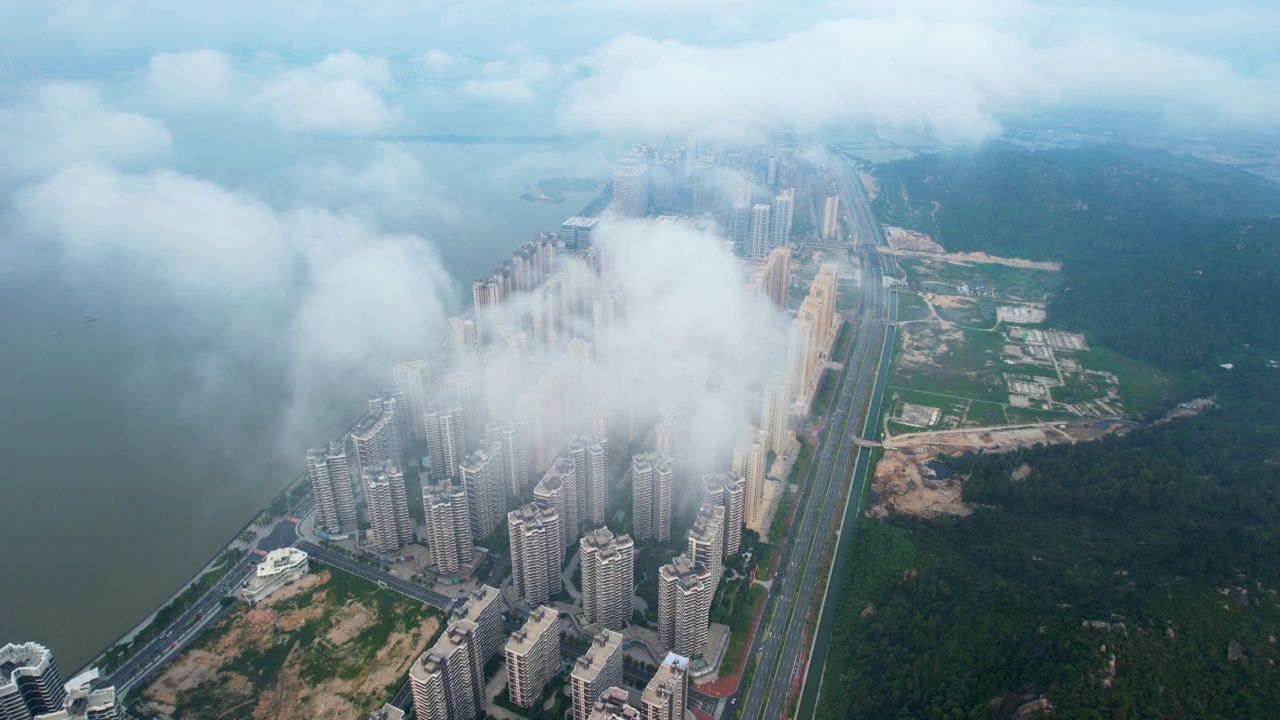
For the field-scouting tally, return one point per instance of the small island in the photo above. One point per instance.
(553, 190)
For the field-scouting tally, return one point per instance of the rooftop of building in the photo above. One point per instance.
(603, 646)
(14, 657)
(540, 621)
(281, 560)
(612, 705)
(387, 712)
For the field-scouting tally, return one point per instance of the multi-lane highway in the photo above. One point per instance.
(779, 649)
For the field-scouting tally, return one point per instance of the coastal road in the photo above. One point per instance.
(779, 651)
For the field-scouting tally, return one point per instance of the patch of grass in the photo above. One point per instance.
(781, 519)
(1011, 282)
(1143, 386)
(842, 341)
(982, 414)
(912, 307)
(966, 370)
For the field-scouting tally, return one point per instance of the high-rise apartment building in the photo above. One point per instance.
(780, 219)
(667, 694)
(706, 542)
(445, 429)
(393, 402)
(739, 229)
(607, 565)
(376, 438)
(824, 288)
(533, 654)
(801, 359)
(612, 705)
(481, 474)
(652, 492)
(30, 683)
(758, 244)
(685, 591)
(514, 444)
(464, 342)
(331, 483)
(591, 467)
(447, 681)
(384, 494)
(537, 550)
(448, 526)
(775, 411)
(460, 391)
(558, 488)
(483, 606)
(413, 379)
(596, 670)
(775, 276)
(749, 458)
(631, 191)
(725, 489)
(486, 297)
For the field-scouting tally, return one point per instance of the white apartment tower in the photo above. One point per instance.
(684, 606)
(331, 483)
(597, 480)
(706, 542)
(481, 474)
(376, 438)
(631, 191)
(533, 654)
(514, 445)
(739, 229)
(775, 411)
(830, 214)
(667, 694)
(596, 670)
(536, 551)
(30, 683)
(460, 392)
(384, 494)
(464, 342)
(749, 458)
(446, 440)
(448, 679)
(758, 244)
(725, 490)
(486, 296)
(558, 488)
(413, 379)
(448, 526)
(780, 219)
(608, 578)
(652, 492)
(484, 606)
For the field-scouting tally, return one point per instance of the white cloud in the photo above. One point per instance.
(323, 294)
(341, 93)
(951, 78)
(195, 77)
(508, 90)
(439, 62)
(69, 122)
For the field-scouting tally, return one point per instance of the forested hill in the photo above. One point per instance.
(1167, 258)
(1134, 577)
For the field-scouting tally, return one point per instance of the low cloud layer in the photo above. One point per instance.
(954, 79)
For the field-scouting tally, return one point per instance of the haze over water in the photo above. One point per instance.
(122, 480)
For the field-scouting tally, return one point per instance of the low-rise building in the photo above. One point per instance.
(280, 568)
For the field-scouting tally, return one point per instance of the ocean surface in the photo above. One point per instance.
(117, 484)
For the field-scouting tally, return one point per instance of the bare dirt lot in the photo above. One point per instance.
(903, 485)
(328, 646)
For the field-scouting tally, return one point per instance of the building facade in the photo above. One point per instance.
(596, 670)
(448, 526)
(331, 484)
(533, 532)
(684, 606)
(608, 578)
(447, 681)
(725, 490)
(667, 695)
(533, 654)
(384, 493)
(30, 683)
(481, 474)
(652, 494)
